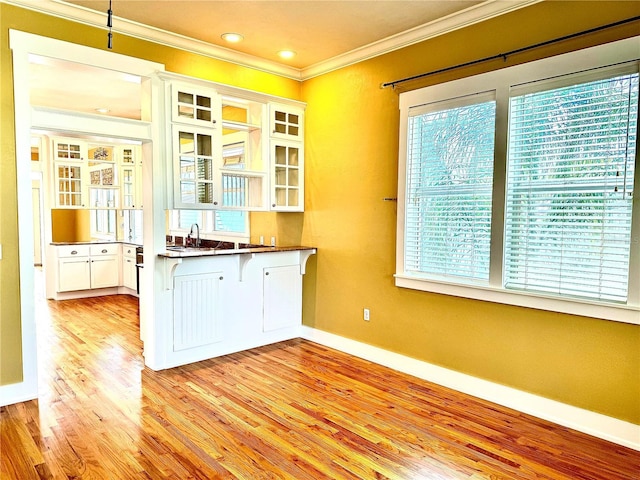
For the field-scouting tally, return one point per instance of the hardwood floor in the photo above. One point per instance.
(294, 410)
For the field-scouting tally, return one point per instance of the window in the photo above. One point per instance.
(517, 186)
(103, 224)
(216, 224)
(449, 178)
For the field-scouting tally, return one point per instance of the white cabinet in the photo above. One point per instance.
(85, 267)
(286, 122)
(130, 165)
(287, 176)
(282, 297)
(194, 105)
(233, 149)
(69, 170)
(194, 164)
(196, 310)
(129, 269)
(287, 158)
(74, 268)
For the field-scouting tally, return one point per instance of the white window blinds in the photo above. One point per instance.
(570, 174)
(449, 187)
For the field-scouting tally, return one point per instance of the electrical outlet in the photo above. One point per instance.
(261, 239)
(366, 314)
(273, 241)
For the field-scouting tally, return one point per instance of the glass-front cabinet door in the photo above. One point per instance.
(194, 168)
(68, 185)
(287, 176)
(194, 105)
(286, 122)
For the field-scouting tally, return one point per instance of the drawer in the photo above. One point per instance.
(65, 251)
(104, 249)
(129, 251)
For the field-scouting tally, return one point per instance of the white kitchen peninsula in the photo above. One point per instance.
(228, 300)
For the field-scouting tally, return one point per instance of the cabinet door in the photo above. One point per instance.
(129, 278)
(282, 288)
(286, 122)
(105, 271)
(287, 176)
(69, 185)
(195, 106)
(194, 168)
(74, 274)
(128, 194)
(69, 149)
(196, 310)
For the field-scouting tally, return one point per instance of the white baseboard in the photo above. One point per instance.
(18, 392)
(596, 424)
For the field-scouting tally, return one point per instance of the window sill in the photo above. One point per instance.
(617, 313)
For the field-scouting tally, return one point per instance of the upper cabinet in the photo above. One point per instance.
(95, 175)
(194, 106)
(286, 122)
(222, 143)
(69, 173)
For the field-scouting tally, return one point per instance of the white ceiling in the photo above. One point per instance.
(326, 34)
(317, 30)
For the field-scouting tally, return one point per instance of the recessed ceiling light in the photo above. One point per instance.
(286, 54)
(102, 110)
(232, 37)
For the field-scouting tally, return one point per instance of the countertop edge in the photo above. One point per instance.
(231, 251)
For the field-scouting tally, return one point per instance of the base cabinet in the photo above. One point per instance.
(230, 303)
(196, 310)
(104, 271)
(74, 273)
(282, 297)
(87, 267)
(129, 269)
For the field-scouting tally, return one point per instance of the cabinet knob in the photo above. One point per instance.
(273, 205)
(74, 252)
(104, 250)
(221, 278)
(215, 203)
(266, 273)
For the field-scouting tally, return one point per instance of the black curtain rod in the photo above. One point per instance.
(512, 52)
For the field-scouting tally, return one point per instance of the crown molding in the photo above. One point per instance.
(476, 14)
(75, 13)
(464, 18)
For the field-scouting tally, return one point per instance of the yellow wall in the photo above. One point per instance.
(351, 164)
(70, 225)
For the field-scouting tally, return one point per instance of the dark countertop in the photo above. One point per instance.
(208, 252)
(135, 241)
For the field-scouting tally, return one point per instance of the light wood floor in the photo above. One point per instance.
(294, 410)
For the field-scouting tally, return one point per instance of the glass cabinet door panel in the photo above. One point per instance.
(205, 193)
(293, 177)
(187, 168)
(188, 192)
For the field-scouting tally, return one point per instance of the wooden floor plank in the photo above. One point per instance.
(294, 410)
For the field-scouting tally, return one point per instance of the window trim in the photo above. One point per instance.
(206, 232)
(503, 82)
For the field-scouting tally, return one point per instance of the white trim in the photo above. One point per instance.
(585, 308)
(22, 44)
(591, 423)
(587, 60)
(476, 14)
(456, 21)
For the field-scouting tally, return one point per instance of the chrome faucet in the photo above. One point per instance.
(197, 244)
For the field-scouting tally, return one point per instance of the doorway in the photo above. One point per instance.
(25, 48)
